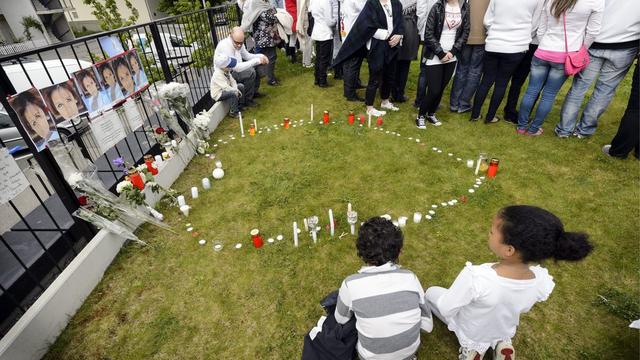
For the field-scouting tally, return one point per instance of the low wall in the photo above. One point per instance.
(39, 327)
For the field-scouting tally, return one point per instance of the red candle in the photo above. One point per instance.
(149, 161)
(325, 117)
(361, 119)
(256, 238)
(352, 118)
(379, 121)
(136, 180)
(493, 168)
(286, 123)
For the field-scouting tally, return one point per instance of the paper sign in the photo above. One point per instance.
(107, 130)
(12, 180)
(132, 114)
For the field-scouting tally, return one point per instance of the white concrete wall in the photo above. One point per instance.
(85, 15)
(39, 327)
(14, 11)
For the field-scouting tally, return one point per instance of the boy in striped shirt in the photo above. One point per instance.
(388, 301)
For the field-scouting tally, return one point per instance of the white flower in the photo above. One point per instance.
(173, 90)
(201, 121)
(151, 184)
(154, 165)
(74, 179)
(141, 168)
(124, 186)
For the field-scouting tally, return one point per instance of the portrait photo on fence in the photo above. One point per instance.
(63, 101)
(124, 75)
(93, 95)
(108, 81)
(33, 115)
(137, 70)
(111, 45)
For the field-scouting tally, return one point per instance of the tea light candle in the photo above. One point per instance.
(181, 201)
(417, 217)
(279, 237)
(217, 247)
(206, 184)
(434, 206)
(431, 212)
(331, 225)
(194, 192)
(270, 240)
(238, 246)
(386, 216)
(218, 164)
(202, 242)
(428, 217)
(185, 209)
(402, 221)
(295, 226)
(471, 191)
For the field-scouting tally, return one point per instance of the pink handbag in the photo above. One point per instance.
(574, 63)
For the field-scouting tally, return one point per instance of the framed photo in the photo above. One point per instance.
(63, 101)
(33, 115)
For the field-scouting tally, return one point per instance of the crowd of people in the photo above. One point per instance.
(481, 44)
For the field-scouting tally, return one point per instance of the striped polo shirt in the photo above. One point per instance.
(390, 310)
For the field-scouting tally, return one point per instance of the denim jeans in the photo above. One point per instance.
(467, 76)
(610, 67)
(547, 77)
(233, 99)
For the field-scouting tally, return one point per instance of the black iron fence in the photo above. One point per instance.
(39, 237)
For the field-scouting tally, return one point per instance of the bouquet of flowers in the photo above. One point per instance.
(136, 179)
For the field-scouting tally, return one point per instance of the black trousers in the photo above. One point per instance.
(517, 80)
(402, 74)
(382, 79)
(438, 76)
(497, 70)
(628, 136)
(268, 70)
(351, 73)
(324, 53)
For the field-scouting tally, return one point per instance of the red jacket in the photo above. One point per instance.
(292, 9)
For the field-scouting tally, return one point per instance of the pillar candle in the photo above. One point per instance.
(369, 120)
(241, 127)
(181, 201)
(206, 184)
(185, 209)
(312, 113)
(295, 231)
(417, 217)
(194, 192)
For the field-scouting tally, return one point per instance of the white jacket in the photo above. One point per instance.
(511, 24)
(584, 21)
(222, 81)
(324, 19)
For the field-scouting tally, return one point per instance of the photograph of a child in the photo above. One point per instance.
(135, 65)
(93, 95)
(63, 101)
(124, 75)
(109, 82)
(33, 115)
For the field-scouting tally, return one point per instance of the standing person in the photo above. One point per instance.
(446, 31)
(483, 305)
(351, 67)
(510, 26)
(244, 72)
(611, 56)
(260, 18)
(518, 78)
(291, 6)
(566, 27)
(324, 20)
(303, 34)
(379, 27)
(337, 39)
(422, 11)
(408, 50)
(628, 136)
(469, 69)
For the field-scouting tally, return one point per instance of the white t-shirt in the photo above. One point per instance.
(483, 308)
(452, 21)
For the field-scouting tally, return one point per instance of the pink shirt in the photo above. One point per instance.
(552, 56)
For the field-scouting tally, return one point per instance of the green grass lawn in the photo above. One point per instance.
(176, 300)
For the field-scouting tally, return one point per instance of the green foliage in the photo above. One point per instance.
(619, 304)
(177, 7)
(108, 14)
(30, 22)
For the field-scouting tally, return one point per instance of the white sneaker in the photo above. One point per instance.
(433, 120)
(389, 106)
(504, 351)
(375, 112)
(468, 354)
(420, 124)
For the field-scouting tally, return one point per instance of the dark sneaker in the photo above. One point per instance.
(462, 110)
(433, 120)
(420, 123)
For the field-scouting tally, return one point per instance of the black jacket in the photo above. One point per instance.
(433, 31)
(372, 18)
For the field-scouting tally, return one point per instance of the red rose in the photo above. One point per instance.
(82, 200)
(160, 130)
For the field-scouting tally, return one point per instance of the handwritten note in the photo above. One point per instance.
(133, 114)
(12, 180)
(107, 130)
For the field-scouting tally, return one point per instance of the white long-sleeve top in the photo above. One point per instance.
(245, 59)
(422, 11)
(221, 81)
(584, 21)
(350, 10)
(483, 308)
(324, 19)
(625, 27)
(511, 24)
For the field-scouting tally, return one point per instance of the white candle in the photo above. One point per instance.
(255, 124)
(348, 207)
(311, 112)
(202, 242)
(295, 234)
(206, 184)
(241, 127)
(185, 209)
(306, 224)
(353, 229)
(314, 236)
(174, 143)
(369, 119)
(417, 217)
(155, 213)
(470, 164)
(218, 164)
(402, 221)
(158, 159)
(181, 201)
(194, 192)
(331, 222)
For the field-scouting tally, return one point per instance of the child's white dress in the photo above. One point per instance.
(483, 308)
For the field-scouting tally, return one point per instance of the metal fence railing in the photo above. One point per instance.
(38, 236)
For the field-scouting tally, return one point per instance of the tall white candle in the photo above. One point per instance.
(255, 124)
(331, 226)
(194, 192)
(206, 184)
(349, 207)
(314, 236)
(181, 201)
(353, 229)
(306, 225)
(295, 234)
(311, 113)
(369, 119)
(241, 127)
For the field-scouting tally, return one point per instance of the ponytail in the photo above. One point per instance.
(572, 246)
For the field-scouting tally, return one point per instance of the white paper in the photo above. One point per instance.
(132, 114)
(12, 180)
(107, 130)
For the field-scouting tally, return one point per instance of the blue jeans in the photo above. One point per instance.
(467, 76)
(610, 67)
(547, 77)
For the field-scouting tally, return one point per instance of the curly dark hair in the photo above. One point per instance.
(379, 241)
(538, 234)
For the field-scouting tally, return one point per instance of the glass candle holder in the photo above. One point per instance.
(286, 123)
(325, 117)
(492, 171)
(252, 130)
(136, 180)
(352, 118)
(149, 161)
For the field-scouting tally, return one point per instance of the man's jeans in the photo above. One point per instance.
(467, 76)
(233, 99)
(610, 67)
(250, 80)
